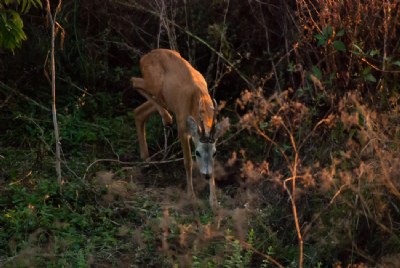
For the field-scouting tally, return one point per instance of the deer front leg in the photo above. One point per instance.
(142, 113)
(187, 156)
(213, 194)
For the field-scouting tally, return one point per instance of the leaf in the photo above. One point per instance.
(11, 30)
(321, 42)
(374, 52)
(388, 58)
(317, 72)
(36, 3)
(327, 32)
(339, 46)
(16, 20)
(340, 33)
(366, 70)
(366, 74)
(397, 62)
(358, 48)
(370, 77)
(319, 37)
(24, 6)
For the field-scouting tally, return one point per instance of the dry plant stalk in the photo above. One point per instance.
(285, 115)
(261, 107)
(292, 194)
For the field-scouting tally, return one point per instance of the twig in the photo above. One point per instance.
(377, 68)
(220, 55)
(292, 195)
(250, 247)
(5, 86)
(129, 163)
(317, 216)
(218, 75)
(326, 119)
(202, 41)
(265, 136)
(75, 85)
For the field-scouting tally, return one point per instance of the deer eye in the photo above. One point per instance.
(215, 153)
(198, 154)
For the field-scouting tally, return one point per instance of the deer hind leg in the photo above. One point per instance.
(165, 115)
(137, 82)
(139, 85)
(142, 113)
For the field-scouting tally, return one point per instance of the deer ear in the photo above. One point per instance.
(221, 127)
(191, 126)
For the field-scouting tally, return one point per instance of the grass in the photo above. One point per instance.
(107, 215)
(101, 222)
(110, 213)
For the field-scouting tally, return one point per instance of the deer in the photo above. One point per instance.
(170, 84)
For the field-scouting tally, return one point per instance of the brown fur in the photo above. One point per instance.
(171, 84)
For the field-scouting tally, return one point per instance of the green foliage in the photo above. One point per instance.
(329, 36)
(46, 217)
(11, 30)
(233, 254)
(23, 5)
(11, 24)
(236, 259)
(366, 74)
(317, 72)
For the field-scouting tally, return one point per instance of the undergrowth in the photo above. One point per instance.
(308, 174)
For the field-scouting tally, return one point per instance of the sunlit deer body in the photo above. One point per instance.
(170, 83)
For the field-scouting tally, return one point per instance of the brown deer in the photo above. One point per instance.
(171, 84)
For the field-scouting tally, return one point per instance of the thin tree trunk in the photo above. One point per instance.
(53, 88)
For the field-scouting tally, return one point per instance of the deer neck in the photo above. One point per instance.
(204, 110)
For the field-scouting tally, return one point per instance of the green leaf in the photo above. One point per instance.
(330, 79)
(327, 32)
(367, 76)
(317, 72)
(27, 4)
(339, 46)
(358, 48)
(11, 30)
(37, 3)
(24, 6)
(321, 42)
(374, 52)
(370, 77)
(366, 70)
(397, 62)
(319, 37)
(16, 20)
(340, 33)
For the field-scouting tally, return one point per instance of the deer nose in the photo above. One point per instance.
(207, 176)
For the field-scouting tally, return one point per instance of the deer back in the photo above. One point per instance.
(177, 86)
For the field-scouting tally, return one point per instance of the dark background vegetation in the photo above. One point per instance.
(308, 173)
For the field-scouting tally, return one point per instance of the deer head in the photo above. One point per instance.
(205, 141)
